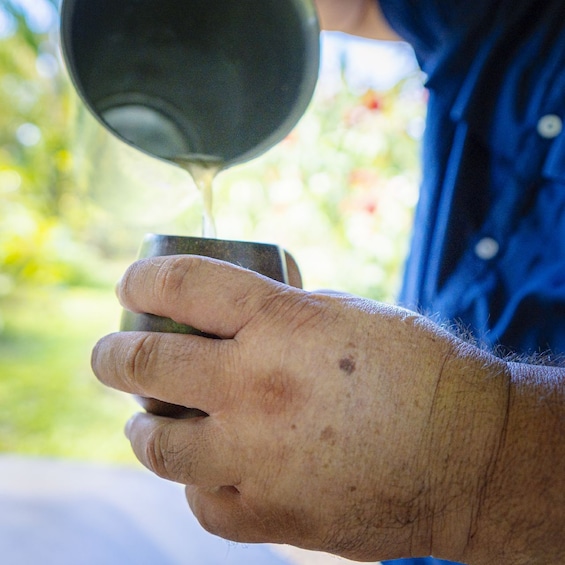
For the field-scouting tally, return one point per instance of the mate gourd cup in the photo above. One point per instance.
(266, 259)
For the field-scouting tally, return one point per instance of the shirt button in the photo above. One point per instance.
(487, 248)
(550, 126)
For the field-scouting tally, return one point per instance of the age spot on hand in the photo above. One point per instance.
(328, 435)
(347, 365)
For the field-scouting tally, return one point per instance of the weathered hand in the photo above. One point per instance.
(334, 423)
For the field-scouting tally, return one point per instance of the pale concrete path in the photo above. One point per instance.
(56, 512)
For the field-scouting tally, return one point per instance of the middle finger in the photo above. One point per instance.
(188, 370)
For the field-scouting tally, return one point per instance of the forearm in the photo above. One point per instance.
(356, 17)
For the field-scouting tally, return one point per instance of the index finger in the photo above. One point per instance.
(213, 296)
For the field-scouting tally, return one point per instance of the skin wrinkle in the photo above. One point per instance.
(276, 308)
(139, 359)
(430, 452)
(227, 362)
(493, 462)
(442, 505)
(246, 301)
(477, 491)
(179, 461)
(142, 359)
(170, 279)
(516, 466)
(154, 454)
(174, 462)
(374, 525)
(340, 545)
(169, 287)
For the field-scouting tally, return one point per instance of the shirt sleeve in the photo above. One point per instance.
(432, 26)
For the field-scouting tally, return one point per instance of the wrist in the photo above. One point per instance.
(467, 430)
(523, 509)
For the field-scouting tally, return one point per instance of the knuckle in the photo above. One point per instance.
(163, 459)
(297, 308)
(170, 277)
(139, 361)
(154, 452)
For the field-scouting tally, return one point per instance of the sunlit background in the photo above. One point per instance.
(338, 193)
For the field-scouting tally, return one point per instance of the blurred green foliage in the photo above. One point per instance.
(338, 193)
(50, 404)
(39, 207)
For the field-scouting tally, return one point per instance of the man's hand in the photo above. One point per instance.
(333, 423)
(356, 17)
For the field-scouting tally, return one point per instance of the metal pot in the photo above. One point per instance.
(224, 78)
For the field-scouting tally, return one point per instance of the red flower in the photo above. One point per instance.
(372, 101)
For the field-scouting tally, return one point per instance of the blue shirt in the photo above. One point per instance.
(488, 247)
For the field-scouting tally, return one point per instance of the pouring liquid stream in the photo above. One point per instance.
(203, 169)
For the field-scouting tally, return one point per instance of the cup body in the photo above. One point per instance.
(266, 259)
(223, 78)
